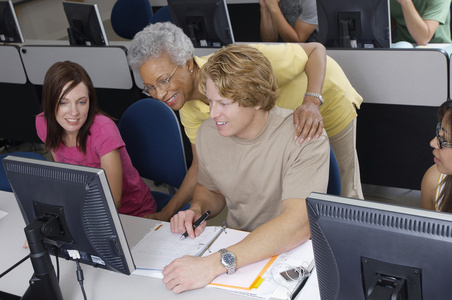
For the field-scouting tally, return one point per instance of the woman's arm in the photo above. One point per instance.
(307, 118)
(111, 163)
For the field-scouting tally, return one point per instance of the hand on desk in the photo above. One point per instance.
(191, 272)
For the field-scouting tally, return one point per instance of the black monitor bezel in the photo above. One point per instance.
(10, 23)
(90, 17)
(182, 11)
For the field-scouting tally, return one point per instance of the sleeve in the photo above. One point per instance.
(41, 127)
(308, 171)
(437, 10)
(309, 12)
(106, 137)
(203, 175)
(190, 123)
(288, 60)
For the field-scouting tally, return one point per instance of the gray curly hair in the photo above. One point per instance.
(159, 38)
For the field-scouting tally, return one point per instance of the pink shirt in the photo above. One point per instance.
(104, 137)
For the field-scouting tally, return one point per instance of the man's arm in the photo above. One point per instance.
(283, 233)
(421, 30)
(289, 34)
(307, 118)
(203, 200)
(183, 195)
(268, 30)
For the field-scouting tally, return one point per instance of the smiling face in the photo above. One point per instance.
(232, 119)
(443, 157)
(182, 82)
(72, 111)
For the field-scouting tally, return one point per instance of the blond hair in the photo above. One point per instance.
(243, 74)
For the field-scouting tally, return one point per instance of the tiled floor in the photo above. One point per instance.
(389, 195)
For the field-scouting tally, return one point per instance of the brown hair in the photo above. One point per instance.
(58, 75)
(243, 74)
(445, 111)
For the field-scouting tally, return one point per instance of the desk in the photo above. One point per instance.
(99, 284)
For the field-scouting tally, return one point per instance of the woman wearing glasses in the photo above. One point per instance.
(77, 132)
(436, 188)
(164, 57)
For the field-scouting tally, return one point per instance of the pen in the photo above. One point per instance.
(302, 282)
(196, 224)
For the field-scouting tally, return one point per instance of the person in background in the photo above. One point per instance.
(436, 187)
(421, 21)
(77, 132)
(249, 162)
(310, 83)
(295, 21)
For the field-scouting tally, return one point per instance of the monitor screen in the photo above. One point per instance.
(9, 26)
(206, 22)
(79, 198)
(354, 24)
(85, 24)
(370, 250)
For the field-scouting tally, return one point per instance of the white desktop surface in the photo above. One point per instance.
(99, 284)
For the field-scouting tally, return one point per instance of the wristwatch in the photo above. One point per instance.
(228, 260)
(315, 95)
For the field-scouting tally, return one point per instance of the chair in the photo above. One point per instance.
(130, 16)
(153, 138)
(161, 15)
(4, 183)
(334, 181)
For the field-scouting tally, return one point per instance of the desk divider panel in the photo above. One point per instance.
(107, 66)
(402, 90)
(11, 61)
(19, 102)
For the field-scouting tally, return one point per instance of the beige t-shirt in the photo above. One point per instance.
(256, 175)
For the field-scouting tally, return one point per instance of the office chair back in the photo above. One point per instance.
(334, 182)
(153, 138)
(161, 15)
(4, 183)
(130, 16)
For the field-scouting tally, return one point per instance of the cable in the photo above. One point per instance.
(15, 265)
(80, 278)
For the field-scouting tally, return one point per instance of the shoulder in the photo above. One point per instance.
(103, 127)
(429, 184)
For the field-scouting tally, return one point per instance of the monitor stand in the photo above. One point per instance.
(44, 283)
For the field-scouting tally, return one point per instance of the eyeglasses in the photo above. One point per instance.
(164, 84)
(441, 140)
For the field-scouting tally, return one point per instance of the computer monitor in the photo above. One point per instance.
(206, 22)
(85, 24)
(371, 250)
(69, 210)
(9, 26)
(354, 24)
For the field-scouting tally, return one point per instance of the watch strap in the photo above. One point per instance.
(318, 96)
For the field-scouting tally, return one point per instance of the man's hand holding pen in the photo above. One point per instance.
(188, 223)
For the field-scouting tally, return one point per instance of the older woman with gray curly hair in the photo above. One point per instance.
(164, 57)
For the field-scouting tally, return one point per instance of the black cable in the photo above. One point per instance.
(15, 265)
(80, 278)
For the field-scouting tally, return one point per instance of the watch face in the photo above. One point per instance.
(229, 259)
